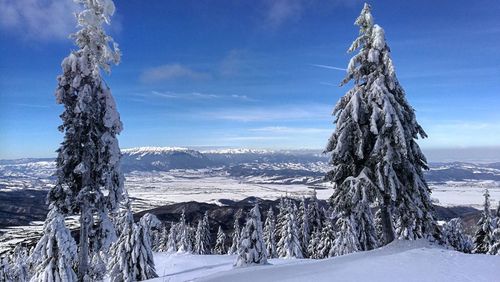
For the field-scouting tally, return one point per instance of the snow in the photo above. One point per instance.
(406, 260)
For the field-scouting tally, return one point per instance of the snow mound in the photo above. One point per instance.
(399, 261)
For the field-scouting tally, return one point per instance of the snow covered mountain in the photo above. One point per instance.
(162, 159)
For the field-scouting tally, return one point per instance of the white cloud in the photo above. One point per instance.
(38, 19)
(170, 72)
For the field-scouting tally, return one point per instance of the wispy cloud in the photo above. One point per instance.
(38, 19)
(281, 11)
(171, 72)
(197, 96)
(233, 62)
(254, 138)
(291, 130)
(328, 67)
(274, 113)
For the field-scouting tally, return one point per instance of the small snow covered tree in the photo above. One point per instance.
(20, 264)
(346, 241)
(132, 257)
(202, 237)
(184, 244)
(453, 235)
(252, 249)
(89, 181)
(55, 253)
(270, 234)
(304, 225)
(171, 245)
(484, 233)
(374, 154)
(495, 245)
(289, 244)
(314, 242)
(236, 234)
(325, 248)
(160, 239)
(220, 243)
(314, 213)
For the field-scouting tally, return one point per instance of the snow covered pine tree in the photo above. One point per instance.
(236, 234)
(220, 243)
(252, 249)
(55, 253)
(202, 237)
(453, 235)
(88, 160)
(484, 232)
(373, 151)
(270, 234)
(289, 244)
(132, 258)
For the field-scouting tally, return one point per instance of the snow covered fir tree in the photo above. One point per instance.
(483, 237)
(251, 247)
(220, 243)
(374, 156)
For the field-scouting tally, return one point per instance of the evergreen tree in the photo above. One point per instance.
(374, 154)
(89, 181)
(270, 234)
(289, 244)
(160, 240)
(236, 234)
(304, 224)
(20, 264)
(132, 257)
(220, 243)
(346, 241)
(313, 247)
(314, 213)
(483, 236)
(325, 248)
(171, 245)
(55, 253)
(202, 237)
(252, 249)
(453, 235)
(184, 244)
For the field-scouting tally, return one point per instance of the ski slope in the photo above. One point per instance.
(407, 261)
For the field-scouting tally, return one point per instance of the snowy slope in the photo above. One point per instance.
(400, 261)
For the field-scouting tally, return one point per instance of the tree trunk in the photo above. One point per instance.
(387, 227)
(84, 242)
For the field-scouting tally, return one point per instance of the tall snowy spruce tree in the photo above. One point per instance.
(270, 234)
(236, 234)
(202, 237)
(374, 154)
(484, 233)
(89, 181)
(252, 249)
(289, 244)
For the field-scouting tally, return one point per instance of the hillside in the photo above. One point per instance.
(418, 261)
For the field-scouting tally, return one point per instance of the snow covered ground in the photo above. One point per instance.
(400, 261)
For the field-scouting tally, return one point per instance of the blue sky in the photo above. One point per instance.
(251, 73)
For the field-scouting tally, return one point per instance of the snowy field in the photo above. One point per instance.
(407, 261)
